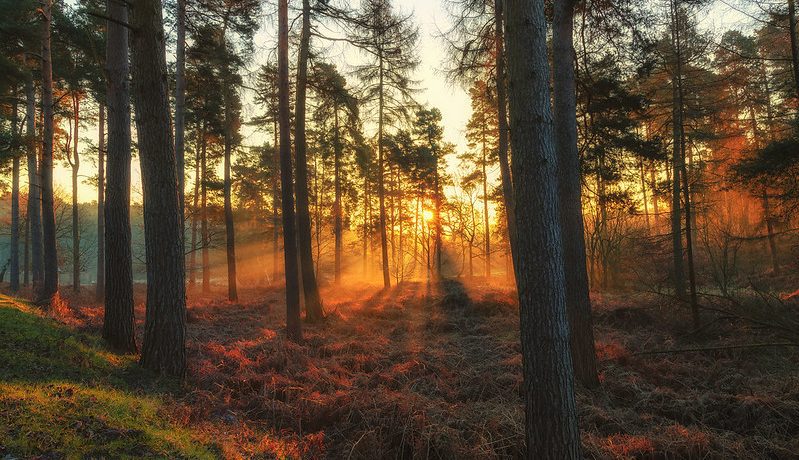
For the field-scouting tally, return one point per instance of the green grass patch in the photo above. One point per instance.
(63, 392)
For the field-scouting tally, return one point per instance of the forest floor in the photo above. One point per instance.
(414, 372)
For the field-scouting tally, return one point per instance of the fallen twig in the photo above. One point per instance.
(724, 347)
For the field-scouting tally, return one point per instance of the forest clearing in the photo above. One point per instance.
(414, 372)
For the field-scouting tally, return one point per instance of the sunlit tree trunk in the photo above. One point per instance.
(230, 235)
(275, 202)
(118, 321)
(14, 249)
(486, 225)
(99, 291)
(313, 302)
(381, 193)
(164, 345)
(204, 236)
(75, 162)
(293, 324)
(502, 121)
(338, 224)
(551, 417)
(194, 217)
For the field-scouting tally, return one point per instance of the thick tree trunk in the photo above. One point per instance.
(100, 285)
(14, 249)
(313, 302)
(794, 46)
(34, 187)
(50, 287)
(75, 217)
(180, 105)
(164, 347)
(119, 322)
(551, 416)
(293, 324)
(578, 302)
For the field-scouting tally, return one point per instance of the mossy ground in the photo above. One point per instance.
(64, 394)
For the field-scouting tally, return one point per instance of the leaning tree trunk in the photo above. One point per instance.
(164, 347)
(578, 302)
(293, 324)
(100, 286)
(313, 301)
(118, 322)
(551, 415)
(50, 288)
(34, 187)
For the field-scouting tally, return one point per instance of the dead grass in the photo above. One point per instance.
(434, 372)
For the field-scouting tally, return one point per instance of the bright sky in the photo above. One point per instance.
(453, 102)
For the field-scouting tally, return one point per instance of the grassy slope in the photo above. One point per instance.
(63, 393)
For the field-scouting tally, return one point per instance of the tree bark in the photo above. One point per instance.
(180, 106)
(293, 324)
(230, 235)
(794, 46)
(14, 249)
(119, 321)
(34, 188)
(194, 207)
(338, 225)
(381, 192)
(676, 225)
(551, 416)
(164, 346)
(578, 301)
(502, 123)
(100, 285)
(486, 224)
(275, 200)
(313, 302)
(204, 236)
(75, 217)
(50, 287)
